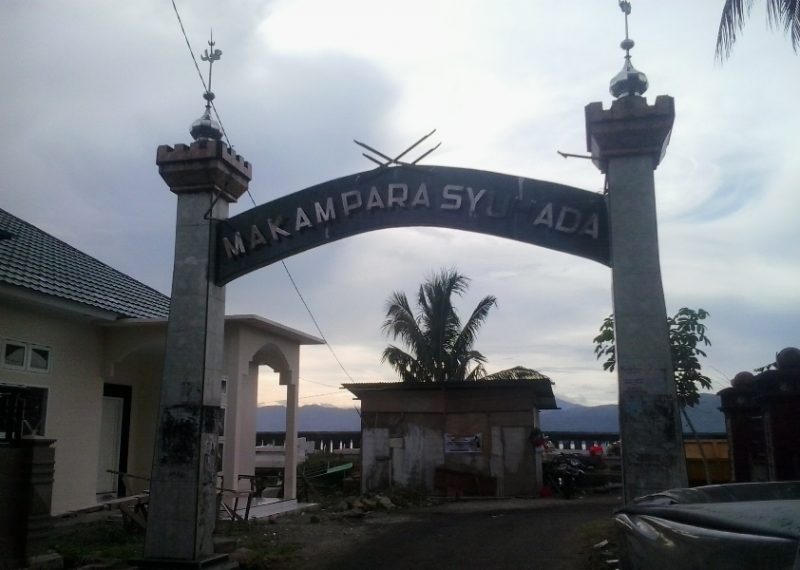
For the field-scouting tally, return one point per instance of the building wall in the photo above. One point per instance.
(407, 445)
(85, 356)
(143, 374)
(74, 400)
(247, 348)
(133, 355)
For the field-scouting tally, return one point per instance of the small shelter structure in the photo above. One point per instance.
(457, 438)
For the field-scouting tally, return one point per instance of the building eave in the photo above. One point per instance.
(261, 324)
(274, 328)
(51, 303)
(542, 389)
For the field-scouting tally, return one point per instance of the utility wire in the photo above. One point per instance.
(205, 87)
(319, 330)
(301, 397)
(317, 382)
(227, 140)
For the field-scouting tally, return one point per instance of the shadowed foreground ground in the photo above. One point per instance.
(467, 535)
(551, 534)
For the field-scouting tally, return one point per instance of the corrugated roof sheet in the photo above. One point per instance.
(36, 261)
(541, 387)
(516, 373)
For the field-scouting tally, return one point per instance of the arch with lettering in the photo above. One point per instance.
(550, 215)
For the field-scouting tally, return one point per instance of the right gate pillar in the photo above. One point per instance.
(627, 142)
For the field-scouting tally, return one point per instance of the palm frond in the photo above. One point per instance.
(783, 14)
(401, 323)
(731, 22)
(407, 367)
(466, 337)
(786, 14)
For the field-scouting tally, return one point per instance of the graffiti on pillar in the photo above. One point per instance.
(550, 215)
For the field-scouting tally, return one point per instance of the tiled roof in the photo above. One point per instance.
(38, 262)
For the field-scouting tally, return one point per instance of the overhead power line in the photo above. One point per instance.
(301, 397)
(316, 324)
(227, 140)
(205, 87)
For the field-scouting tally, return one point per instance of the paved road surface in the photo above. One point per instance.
(480, 535)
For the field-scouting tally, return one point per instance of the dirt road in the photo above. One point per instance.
(508, 534)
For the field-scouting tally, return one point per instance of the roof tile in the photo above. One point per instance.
(35, 260)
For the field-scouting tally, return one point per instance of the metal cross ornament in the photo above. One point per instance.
(389, 161)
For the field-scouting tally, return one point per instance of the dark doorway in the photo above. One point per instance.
(114, 436)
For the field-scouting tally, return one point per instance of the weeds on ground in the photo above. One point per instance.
(97, 542)
(260, 541)
(593, 534)
(409, 497)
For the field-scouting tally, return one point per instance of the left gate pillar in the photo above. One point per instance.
(206, 177)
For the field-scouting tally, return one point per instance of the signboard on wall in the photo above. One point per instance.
(462, 443)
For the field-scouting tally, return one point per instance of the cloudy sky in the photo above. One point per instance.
(92, 87)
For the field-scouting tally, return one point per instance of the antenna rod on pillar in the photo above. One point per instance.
(629, 81)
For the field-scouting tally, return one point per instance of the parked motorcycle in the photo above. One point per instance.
(562, 474)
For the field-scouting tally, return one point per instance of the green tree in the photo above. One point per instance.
(687, 334)
(439, 348)
(780, 14)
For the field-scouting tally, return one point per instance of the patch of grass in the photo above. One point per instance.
(266, 550)
(100, 541)
(594, 533)
(110, 542)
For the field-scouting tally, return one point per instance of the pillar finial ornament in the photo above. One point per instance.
(206, 128)
(629, 81)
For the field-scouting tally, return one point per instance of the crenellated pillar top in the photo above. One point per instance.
(630, 127)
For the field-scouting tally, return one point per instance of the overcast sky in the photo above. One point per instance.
(92, 87)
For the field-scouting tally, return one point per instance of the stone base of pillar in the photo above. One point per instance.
(213, 562)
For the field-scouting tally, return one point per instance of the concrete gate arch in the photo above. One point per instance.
(619, 229)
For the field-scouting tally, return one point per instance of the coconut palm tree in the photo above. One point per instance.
(440, 349)
(780, 13)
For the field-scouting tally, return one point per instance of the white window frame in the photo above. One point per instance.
(31, 348)
(24, 345)
(28, 348)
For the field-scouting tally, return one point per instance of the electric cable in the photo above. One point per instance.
(319, 330)
(227, 140)
(205, 87)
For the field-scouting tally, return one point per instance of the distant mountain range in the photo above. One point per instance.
(705, 416)
(309, 418)
(571, 417)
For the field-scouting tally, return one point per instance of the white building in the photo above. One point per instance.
(81, 357)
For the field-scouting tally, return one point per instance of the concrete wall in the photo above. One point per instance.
(75, 391)
(403, 438)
